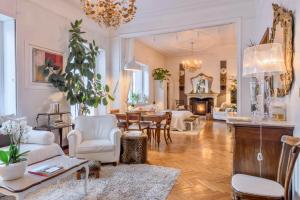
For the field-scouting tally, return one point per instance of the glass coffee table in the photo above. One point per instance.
(30, 182)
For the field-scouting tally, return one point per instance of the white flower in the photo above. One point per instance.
(15, 130)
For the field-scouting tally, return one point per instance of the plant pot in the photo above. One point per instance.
(13, 171)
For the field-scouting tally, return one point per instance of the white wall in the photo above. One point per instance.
(264, 19)
(211, 67)
(153, 59)
(39, 26)
(8, 7)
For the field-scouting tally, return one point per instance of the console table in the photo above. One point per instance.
(246, 145)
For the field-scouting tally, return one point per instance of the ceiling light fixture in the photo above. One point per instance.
(111, 13)
(192, 64)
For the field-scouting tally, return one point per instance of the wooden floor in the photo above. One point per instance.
(205, 162)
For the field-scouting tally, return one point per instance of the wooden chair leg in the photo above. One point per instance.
(97, 174)
(169, 135)
(78, 175)
(165, 136)
(149, 136)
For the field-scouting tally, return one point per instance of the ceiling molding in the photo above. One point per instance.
(176, 6)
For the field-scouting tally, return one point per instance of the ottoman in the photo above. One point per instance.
(134, 147)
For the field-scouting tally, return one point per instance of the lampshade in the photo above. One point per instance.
(263, 59)
(133, 66)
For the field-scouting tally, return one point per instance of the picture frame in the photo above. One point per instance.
(39, 57)
(30, 81)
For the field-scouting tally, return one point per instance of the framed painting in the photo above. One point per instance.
(39, 57)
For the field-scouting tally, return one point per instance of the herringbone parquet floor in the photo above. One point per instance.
(205, 162)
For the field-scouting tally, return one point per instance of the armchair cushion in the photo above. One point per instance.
(95, 146)
(95, 127)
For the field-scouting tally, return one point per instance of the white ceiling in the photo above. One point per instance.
(152, 6)
(179, 44)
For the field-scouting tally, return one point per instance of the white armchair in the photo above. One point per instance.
(95, 138)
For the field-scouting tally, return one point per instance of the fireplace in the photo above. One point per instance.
(201, 106)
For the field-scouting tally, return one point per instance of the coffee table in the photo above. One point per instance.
(30, 182)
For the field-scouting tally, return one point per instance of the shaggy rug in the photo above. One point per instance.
(130, 182)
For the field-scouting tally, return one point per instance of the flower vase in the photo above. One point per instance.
(13, 171)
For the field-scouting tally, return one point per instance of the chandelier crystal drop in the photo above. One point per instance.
(192, 64)
(110, 13)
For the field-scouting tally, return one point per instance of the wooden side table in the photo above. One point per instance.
(60, 126)
(134, 148)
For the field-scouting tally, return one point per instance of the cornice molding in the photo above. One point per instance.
(191, 7)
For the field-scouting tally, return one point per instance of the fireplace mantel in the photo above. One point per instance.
(203, 96)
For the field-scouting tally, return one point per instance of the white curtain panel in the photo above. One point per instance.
(125, 83)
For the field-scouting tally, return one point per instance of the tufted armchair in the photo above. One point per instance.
(95, 138)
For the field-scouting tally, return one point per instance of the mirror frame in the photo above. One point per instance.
(203, 76)
(285, 19)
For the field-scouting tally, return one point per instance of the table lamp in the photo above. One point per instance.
(260, 61)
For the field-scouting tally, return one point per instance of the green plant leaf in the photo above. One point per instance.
(106, 88)
(111, 97)
(105, 102)
(4, 157)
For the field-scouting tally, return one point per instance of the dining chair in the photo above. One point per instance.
(121, 122)
(134, 122)
(166, 127)
(114, 111)
(252, 187)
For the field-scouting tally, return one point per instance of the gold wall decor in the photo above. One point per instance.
(282, 32)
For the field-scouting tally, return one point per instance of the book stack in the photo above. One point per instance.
(46, 170)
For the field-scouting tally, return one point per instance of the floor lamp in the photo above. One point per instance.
(261, 61)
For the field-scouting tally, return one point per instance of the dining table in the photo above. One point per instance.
(155, 117)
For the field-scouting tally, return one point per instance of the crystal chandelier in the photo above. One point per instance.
(192, 64)
(111, 13)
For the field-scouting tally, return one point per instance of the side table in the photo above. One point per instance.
(60, 125)
(134, 148)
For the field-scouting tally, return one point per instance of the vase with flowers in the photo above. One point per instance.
(12, 161)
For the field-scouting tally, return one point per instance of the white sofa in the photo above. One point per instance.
(95, 138)
(40, 145)
(223, 112)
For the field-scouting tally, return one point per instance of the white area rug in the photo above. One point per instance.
(128, 182)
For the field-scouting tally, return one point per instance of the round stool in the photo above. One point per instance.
(134, 147)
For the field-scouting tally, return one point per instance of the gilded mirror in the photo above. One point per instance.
(201, 83)
(282, 32)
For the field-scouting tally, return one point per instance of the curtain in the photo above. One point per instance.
(124, 85)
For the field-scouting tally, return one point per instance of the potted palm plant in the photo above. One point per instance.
(12, 162)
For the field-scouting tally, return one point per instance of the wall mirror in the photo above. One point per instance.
(282, 32)
(201, 83)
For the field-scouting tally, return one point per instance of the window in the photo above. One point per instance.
(100, 69)
(7, 66)
(139, 91)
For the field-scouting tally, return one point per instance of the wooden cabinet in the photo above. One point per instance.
(246, 146)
